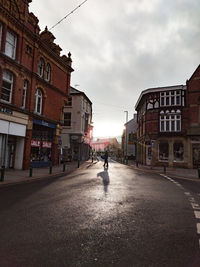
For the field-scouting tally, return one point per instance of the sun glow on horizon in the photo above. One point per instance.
(107, 129)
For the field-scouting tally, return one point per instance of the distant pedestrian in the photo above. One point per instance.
(106, 159)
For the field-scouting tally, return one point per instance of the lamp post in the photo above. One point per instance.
(126, 138)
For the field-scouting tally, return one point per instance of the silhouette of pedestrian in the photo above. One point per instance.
(106, 159)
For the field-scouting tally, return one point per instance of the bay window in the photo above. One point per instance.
(67, 119)
(170, 98)
(170, 121)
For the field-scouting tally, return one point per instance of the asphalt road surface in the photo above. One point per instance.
(101, 217)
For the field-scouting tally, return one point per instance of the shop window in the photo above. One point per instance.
(163, 151)
(38, 101)
(24, 93)
(41, 67)
(11, 44)
(48, 72)
(7, 86)
(178, 149)
(67, 119)
(170, 121)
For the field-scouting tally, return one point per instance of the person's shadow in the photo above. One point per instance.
(105, 177)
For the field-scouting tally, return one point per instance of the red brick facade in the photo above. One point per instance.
(39, 78)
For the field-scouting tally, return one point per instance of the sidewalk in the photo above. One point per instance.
(175, 172)
(23, 176)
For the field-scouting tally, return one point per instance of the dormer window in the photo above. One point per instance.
(41, 68)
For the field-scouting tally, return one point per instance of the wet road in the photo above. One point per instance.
(96, 217)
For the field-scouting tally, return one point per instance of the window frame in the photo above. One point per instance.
(4, 79)
(166, 98)
(24, 93)
(48, 72)
(38, 101)
(10, 44)
(170, 121)
(41, 66)
(67, 121)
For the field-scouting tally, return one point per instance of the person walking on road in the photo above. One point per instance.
(106, 159)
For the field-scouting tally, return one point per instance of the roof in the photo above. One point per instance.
(159, 89)
(74, 91)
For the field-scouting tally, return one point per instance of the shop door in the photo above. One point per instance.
(11, 152)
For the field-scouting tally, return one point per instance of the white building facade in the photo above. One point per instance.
(77, 127)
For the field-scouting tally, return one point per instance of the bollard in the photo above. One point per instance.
(64, 167)
(31, 172)
(50, 169)
(2, 173)
(164, 168)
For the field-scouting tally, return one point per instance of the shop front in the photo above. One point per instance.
(42, 143)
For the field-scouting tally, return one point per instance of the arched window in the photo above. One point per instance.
(48, 72)
(24, 93)
(41, 67)
(7, 86)
(38, 101)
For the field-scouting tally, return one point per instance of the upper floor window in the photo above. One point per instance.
(69, 102)
(38, 101)
(67, 119)
(11, 44)
(24, 93)
(170, 121)
(7, 86)
(41, 67)
(1, 27)
(170, 98)
(48, 72)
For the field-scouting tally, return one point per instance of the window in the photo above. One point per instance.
(0, 34)
(41, 67)
(7, 85)
(48, 72)
(170, 121)
(67, 119)
(170, 98)
(178, 151)
(38, 101)
(11, 43)
(24, 93)
(28, 49)
(69, 102)
(163, 151)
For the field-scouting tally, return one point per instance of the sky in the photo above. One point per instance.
(120, 48)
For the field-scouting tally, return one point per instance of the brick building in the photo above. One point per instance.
(169, 125)
(34, 84)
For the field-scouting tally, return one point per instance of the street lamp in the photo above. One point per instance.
(126, 137)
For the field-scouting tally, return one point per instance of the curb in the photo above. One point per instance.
(28, 179)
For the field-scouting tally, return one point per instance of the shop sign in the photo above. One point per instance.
(5, 110)
(35, 143)
(44, 123)
(46, 144)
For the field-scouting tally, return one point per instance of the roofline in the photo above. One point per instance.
(80, 93)
(159, 89)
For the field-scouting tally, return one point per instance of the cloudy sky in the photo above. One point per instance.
(120, 48)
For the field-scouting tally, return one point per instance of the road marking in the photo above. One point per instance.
(197, 214)
(195, 206)
(198, 228)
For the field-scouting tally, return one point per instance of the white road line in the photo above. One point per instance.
(198, 228)
(195, 206)
(197, 214)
